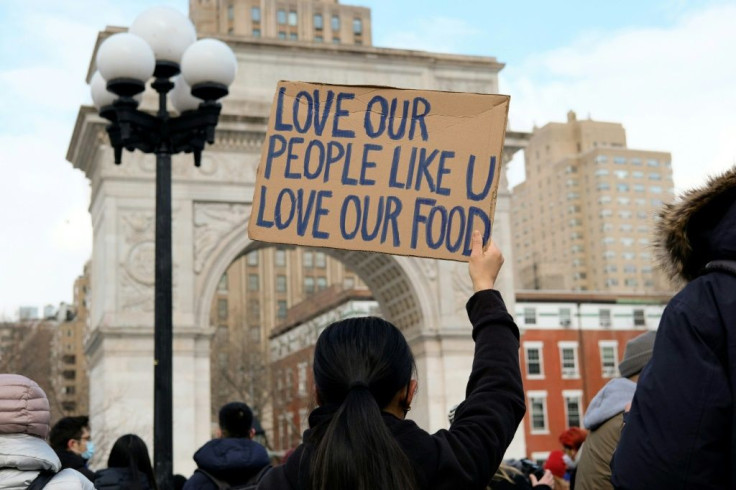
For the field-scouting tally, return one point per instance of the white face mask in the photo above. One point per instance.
(569, 461)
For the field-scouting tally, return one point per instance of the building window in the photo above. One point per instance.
(292, 17)
(572, 407)
(222, 309)
(281, 17)
(318, 39)
(619, 160)
(302, 378)
(282, 35)
(69, 390)
(639, 319)
(230, 12)
(222, 285)
(308, 260)
(348, 283)
(335, 40)
(252, 258)
(69, 374)
(538, 411)
(533, 354)
(318, 21)
(281, 283)
(303, 420)
(256, 33)
(653, 162)
(281, 309)
(357, 26)
(68, 406)
(309, 284)
(604, 317)
(569, 359)
(530, 316)
(255, 14)
(320, 260)
(321, 283)
(280, 257)
(253, 282)
(69, 359)
(335, 22)
(293, 36)
(255, 333)
(609, 358)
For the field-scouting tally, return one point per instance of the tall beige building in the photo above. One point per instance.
(291, 20)
(584, 217)
(69, 362)
(252, 298)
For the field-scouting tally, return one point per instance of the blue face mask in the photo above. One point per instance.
(90, 450)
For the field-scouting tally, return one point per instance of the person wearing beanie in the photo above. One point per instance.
(556, 465)
(24, 424)
(680, 431)
(572, 439)
(232, 459)
(605, 416)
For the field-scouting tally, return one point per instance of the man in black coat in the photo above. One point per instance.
(680, 432)
(233, 458)
(71, 440)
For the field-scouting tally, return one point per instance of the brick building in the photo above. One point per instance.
(571, 345)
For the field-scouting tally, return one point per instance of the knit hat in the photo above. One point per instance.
(556, 464)
(573, 437)
(637, 354)
(24, 408)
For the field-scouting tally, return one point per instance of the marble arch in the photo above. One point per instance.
(211, 206)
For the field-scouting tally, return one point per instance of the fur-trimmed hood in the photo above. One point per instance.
(699, 227)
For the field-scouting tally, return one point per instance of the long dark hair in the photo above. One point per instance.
(360, 364)
(129, 451)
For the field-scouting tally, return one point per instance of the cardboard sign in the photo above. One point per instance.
(407, 172)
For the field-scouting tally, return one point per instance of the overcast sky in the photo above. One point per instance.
(663, 68)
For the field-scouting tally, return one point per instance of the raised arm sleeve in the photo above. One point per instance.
(485, 423)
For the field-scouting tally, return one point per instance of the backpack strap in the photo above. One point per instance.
(221, 484)
(41, 480)
(728, 266)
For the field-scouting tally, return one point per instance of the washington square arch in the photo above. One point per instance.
(211, 208)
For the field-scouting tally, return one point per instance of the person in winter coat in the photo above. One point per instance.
(71, 439)
(24, 425)
(233, 458)
(605, 416)
(128, 467)
(681, 430)
(359, 437)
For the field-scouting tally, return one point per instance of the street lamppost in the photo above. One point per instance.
(161, 43)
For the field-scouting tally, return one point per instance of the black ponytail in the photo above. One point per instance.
(359, 366)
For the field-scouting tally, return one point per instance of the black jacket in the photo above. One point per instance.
(681, 431)
(467, 455)
(119, 479)
(76, 462)
(234, 460)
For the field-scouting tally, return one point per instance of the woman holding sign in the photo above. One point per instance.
(359, 438)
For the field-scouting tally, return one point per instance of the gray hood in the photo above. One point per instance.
(610, 401)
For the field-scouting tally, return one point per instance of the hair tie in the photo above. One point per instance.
(358, 384)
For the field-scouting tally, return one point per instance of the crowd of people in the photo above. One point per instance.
(668, 422)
